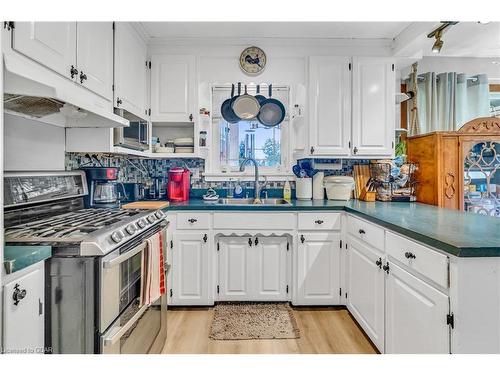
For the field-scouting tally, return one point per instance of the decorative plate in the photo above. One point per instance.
(253, 60)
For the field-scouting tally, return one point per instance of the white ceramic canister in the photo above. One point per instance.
(318, 186)
(303, 188)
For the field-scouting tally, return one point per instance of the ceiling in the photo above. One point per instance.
(466, 39)
(315, 30)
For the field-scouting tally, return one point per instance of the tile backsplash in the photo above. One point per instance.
(139, 170)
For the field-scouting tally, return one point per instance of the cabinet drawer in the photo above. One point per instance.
(319, 221)
(417, 257)
(253, 220)
(193, 220)
(365, 231)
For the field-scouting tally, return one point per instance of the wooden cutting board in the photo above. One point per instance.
(146, 205)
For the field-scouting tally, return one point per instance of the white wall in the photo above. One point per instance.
(31, 145)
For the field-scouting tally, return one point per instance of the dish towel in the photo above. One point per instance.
(153, 270)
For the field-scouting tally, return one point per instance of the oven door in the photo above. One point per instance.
(137, 330)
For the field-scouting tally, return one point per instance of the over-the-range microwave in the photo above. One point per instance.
(135, 136)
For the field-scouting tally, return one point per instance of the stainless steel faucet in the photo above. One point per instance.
(256, 183)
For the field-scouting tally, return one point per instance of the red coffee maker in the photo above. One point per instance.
(178, 184)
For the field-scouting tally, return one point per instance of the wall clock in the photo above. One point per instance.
(253, 60)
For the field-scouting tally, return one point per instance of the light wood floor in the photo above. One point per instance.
(322, 330)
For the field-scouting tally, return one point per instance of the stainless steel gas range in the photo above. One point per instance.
(94, 276)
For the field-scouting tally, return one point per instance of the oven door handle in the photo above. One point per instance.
(123, 257)
(116, 333)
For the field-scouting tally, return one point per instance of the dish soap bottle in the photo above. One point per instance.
(287, 191)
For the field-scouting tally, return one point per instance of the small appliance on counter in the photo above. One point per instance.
(178, 184)
(104, 189)
(339, 187)
(134, 191)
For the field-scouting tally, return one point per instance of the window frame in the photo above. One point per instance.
(215, 171)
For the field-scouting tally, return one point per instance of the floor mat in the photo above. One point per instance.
(253, 320)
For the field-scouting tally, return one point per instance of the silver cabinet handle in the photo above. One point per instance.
(123, 257)
(117, 332)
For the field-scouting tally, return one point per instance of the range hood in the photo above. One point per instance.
(34, 92)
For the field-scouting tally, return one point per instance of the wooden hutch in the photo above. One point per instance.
(441, 157)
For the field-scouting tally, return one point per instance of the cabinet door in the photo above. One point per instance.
(373, 113)
(415, 315)
(94, 54)
(330, 105)
(235, 269)
(269, 269)
(318, 269)
(130, 70)
(23, 324)
(52, 44)
(190, 270)
(365, 290)
(172, 88)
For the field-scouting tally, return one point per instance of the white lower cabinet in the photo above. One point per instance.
(318, 269)
(416, 315)
(23, 312)
(252, 269)
(190, 269)
(365, 290)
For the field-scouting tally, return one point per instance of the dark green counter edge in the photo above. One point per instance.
(359, 208)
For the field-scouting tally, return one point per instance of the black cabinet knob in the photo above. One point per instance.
(118, 102)
(249, 242)
(361, 231)
(379, 263)
(191, 117)
(73, 71)
(192, 221)
(256, 241)
(312, 150)
(302, 238)
(83, 77)
(386, 267)
(319, 221)
(18, 294)
(355, 150)
(205, 238)
(410, 255)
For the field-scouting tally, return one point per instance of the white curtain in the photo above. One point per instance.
(448, 100)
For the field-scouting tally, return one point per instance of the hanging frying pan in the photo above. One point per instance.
(226, 110)
(260, 98)
(245, 106)
(272, 111)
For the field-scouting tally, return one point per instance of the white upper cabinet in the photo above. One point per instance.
(52, 44)
(94, 53)
(373, 106)
(80, 51)
(130, 70)
(415, 317)
(318, 269)
(330, 105)
(173, 96)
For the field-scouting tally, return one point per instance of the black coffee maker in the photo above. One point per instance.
(104, 189)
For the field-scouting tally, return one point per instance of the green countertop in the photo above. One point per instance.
(18, 257)
(458, 233)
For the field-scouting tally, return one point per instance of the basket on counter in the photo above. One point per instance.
(394, 183)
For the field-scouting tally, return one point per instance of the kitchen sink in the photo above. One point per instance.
(250, 201)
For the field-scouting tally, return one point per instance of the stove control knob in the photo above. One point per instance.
(117, 236)
(130, 229)
(142, 223)
(159, 214)
(151, 218)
